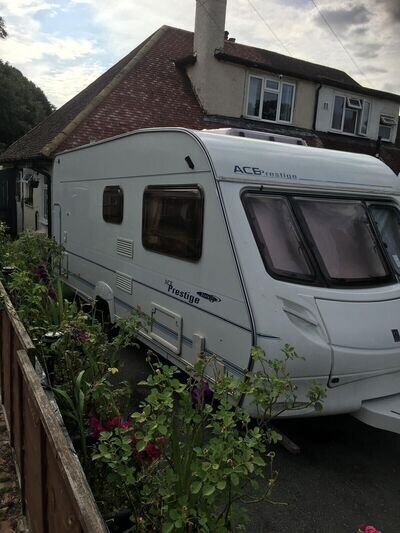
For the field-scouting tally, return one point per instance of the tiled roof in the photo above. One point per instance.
(147, 89)
(154, 93)
(287, 65)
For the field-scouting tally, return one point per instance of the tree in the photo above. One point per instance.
(3, 32)
(22, 105)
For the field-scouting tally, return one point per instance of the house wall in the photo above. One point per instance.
(223, 91)
(378, 107)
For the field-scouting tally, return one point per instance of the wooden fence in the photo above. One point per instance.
(55, 495)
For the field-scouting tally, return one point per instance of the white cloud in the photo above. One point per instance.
(21, 50)
(62, 84)
(21, 8)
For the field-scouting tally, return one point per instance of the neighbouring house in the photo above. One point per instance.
(205, 80)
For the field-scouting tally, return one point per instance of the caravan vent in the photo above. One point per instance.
(123, 282)
(125, 247)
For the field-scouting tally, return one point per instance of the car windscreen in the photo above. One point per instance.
(387, 221)
(326, 241)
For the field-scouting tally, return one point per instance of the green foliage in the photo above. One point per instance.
(191, 458)
(34, 249)
(5, 243)
(22, 104)
(272, 391)
(74, 408)
(210, 456)
(3, 31)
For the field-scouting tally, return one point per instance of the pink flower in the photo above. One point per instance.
(96, 426)
(363, 528)
(152, 451)
(112, 423)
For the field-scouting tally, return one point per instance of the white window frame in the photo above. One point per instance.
(276, 91)
(391, 123)
(364, 133)
(358, 105)
(360, 112)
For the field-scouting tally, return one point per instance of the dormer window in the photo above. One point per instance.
(350, 115)
(270, 99)
(386, 125)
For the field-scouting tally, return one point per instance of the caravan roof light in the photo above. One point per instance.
(260, 135)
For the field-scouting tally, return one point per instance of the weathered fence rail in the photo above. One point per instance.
(55, 495)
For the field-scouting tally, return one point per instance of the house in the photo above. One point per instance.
(205, 80)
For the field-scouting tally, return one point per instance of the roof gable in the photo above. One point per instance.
(156, 93)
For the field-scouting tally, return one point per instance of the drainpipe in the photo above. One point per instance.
(316, 106)
(378, 147)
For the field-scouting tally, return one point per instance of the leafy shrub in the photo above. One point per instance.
(209, 457)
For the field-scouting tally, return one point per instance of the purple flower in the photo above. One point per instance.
(42, 274)
(79, 336)
(201, 394)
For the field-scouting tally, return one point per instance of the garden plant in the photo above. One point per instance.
(191, 458)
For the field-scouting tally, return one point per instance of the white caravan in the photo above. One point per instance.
(229, 242)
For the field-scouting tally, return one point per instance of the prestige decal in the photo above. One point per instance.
(186, 295)
(210, 297)
(255, 171)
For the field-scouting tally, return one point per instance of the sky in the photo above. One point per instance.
(63, 45)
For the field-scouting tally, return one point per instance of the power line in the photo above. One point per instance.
(339, 40)
(269, 27)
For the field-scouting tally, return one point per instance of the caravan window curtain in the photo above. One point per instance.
(387, 221)
(343, 240)
(277, 236)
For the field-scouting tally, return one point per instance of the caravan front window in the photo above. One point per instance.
(326, 241)
(277, 236)
(387, 221)
(343, 240)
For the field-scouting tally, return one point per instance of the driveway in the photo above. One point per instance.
(347, 474)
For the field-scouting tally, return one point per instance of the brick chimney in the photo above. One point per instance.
(209, 36)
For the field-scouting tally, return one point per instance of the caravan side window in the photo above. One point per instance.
(113, 204)
(173, 221)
